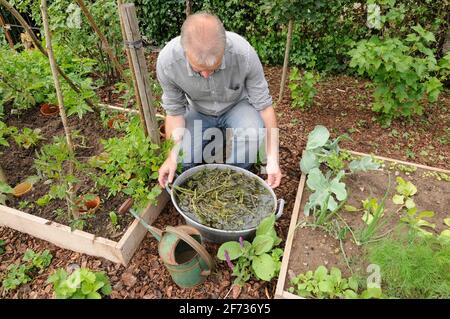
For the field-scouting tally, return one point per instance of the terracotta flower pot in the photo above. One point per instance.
(125, 207)
(117, 118)
(88, 206)
(49, 109)
(22, 189)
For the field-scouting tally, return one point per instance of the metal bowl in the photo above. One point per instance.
(219, 235)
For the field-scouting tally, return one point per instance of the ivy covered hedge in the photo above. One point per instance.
(324, 30)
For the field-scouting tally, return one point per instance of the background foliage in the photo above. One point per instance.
(324, 30)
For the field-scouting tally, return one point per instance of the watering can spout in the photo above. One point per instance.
(157, 233)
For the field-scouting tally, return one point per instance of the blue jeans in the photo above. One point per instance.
(238, 126)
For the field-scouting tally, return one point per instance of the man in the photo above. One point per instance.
(213, 79)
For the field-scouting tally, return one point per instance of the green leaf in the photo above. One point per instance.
(264, 267)
(318, 137)
(350, 208)
(364, 164)
(326, 286)
(266, 225)
(262, 244)
(320, 273)
(5, 188)
(447, 221)
(410, 203)
(94, 295)
(232, 247)
(308, 162)
(405, 188)
(398, 199)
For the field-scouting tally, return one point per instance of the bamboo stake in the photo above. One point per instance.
(286, 59)
(62, 111)
(188, 8)
(127, 50)
(3, 176)
(7, 34)
(38, 45)
(134, 42)
(104, 41)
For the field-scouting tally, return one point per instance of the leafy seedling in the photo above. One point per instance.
(81, 284)
(259, 258)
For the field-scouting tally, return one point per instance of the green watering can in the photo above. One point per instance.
(181, 251)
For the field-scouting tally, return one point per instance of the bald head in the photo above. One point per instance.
(203, 39)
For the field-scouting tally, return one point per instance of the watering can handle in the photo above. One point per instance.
(194, 244)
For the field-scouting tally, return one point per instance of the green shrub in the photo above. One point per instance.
(26, 80)
(405, 73)
(412, 266)
(302, 88)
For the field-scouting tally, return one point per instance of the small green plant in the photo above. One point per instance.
(18, 274)
(411, 266)
(404, 197)
(258, 258)
(28, 137)
(302, 88)
(23, 204)
(444, 236)
(329, 191)
(81, 284)
(130, 165)
(373, 211)
(5, 190)
(52, 162)
(323, 284)
(80, 222)
(6, 131)
(114, 219)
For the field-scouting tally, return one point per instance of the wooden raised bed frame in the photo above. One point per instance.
(280, 293)
(80, 241)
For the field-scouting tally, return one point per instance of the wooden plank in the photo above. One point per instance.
(80, 241)
(290, 237)
(403, 162)
(60, 235)
(136, 233)
(288, 295)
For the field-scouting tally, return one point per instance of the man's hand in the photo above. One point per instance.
(167, 171)
(273, 173)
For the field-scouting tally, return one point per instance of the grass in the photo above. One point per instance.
(412, 267)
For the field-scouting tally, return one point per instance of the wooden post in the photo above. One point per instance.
(105, 43)
(62, 111)
(127, 50)
(7, 34)
(138, 63)
(38, 45)
(286, 59)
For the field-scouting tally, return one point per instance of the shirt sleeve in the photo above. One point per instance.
(173, 98)
(256, 84)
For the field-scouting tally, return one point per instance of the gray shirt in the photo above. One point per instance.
(240, 76)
